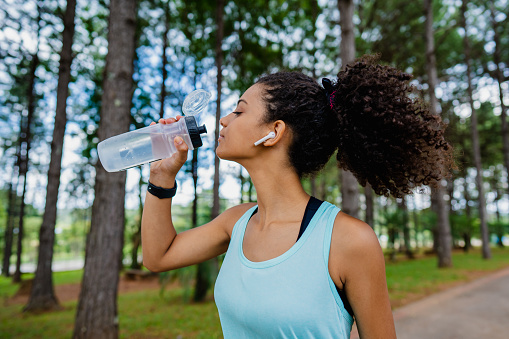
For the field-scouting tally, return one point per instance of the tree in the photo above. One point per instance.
(349, 185)
(42, 295)
(219, 66)
(486, 253)
(444, 246)
(499, 76)
(96, 315)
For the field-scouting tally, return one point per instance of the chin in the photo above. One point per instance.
(220, 154)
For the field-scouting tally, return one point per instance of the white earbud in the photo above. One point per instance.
(271, 135)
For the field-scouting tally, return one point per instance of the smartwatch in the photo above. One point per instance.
(162, 193)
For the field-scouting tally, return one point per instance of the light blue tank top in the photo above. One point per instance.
(290, 296)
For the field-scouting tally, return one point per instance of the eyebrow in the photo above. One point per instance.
(241, 100)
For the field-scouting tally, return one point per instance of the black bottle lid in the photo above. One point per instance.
(195, 131)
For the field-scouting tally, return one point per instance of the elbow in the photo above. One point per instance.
(153, 267)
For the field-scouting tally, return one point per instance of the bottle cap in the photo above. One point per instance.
(195, 131)
(195, 102)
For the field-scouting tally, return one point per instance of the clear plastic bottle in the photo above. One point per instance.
(154, 142)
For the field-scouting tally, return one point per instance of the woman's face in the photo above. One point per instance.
(243, 127)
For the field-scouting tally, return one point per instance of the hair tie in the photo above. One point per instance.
(329, 91)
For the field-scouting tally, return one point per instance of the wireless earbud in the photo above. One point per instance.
(271, 135)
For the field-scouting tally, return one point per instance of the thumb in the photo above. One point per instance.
(182, 148)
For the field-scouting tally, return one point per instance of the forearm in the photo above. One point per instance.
(157, 230)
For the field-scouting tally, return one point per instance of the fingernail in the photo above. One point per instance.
(179, 140)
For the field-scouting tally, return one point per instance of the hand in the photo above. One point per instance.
(163, 172)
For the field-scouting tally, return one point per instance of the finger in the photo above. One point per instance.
(181, 148)
(152, 123)
(170, 121)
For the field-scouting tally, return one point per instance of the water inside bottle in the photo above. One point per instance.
(139, 148)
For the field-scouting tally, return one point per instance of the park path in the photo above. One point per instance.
(478, 309)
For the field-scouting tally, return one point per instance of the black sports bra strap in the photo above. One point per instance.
(311, 208)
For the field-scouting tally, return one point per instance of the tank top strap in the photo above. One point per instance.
(329, 226)
(241, 224)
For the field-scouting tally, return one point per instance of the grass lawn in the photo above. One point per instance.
(409, 280)
(146, 314)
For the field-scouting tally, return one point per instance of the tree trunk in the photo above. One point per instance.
(42, 296)
(467, 237)
(242, 182)
(485, 234)
(9, 227)
(500, 79)
(219, 67)
(16, 278)
(202, 281)
(444, 245)
(96, 315)
(164, 58)
(203, 273)
(26, 138)
(370, 206)
(136, 239)
(415, 218)
(250, 189)
(349, 185)
(406, 229)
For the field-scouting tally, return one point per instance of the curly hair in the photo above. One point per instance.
(382, 132)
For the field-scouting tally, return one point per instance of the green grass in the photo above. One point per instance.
(412, 279)
(143, 314)
(146, 314)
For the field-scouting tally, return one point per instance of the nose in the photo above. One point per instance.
(224, 120)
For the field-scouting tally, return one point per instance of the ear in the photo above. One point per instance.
(279, 127)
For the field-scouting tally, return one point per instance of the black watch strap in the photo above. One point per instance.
(162, 193)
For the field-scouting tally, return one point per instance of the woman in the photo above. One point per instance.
(297, 267)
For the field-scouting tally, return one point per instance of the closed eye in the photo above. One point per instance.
(237, 113)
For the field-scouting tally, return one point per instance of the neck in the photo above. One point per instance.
(279, 192)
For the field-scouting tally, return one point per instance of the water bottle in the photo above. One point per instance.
(154, 142)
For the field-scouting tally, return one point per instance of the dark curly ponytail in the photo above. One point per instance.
(386, 136)
(383, 134)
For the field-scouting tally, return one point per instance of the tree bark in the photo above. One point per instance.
(467, 236)
(136, 238)
(402, 205)
(202, 281)
(26, 138)
(203, 273)
(349, 185)
(9, 227)
(42, 295)
(370, 206)
(164, 58)
(485, 234)
(500, 79)
(96, 315)
(439, 205)
(219, 67)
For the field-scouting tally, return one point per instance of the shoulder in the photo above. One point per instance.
(354, 245)
(353, 234)
(233, 214)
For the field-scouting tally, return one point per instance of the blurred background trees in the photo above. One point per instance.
(456, 50)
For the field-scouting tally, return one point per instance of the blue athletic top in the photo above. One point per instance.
(290, 296)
